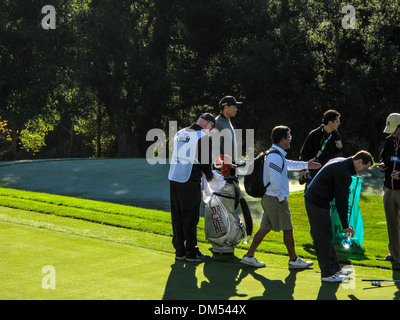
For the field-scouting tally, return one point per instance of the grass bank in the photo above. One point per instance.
(39, 206)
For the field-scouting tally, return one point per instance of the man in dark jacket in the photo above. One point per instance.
(191, 157)
(322, 143)
(332, 181)
(390, 164)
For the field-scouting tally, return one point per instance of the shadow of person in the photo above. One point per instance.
(277, 289)
(309, 247)
(345, 255)
(182, 282)
(222, 280)
(223, 275)
(328, 290)
(396, 276)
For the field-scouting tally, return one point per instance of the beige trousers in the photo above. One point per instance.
(391, 203)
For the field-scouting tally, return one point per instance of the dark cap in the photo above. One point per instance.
(229, 101)
(208, 117)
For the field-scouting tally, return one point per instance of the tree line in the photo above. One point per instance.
(110, 71)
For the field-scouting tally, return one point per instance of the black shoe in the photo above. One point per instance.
(198, 257)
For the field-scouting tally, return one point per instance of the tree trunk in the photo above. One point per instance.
(14, 144)
(127, 145)
(71, 140)
(99, 118)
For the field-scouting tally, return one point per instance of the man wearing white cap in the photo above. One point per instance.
(390, 164)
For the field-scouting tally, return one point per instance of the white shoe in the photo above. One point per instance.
(344, 272)
(299, 263)
(335, 278)
(252, 262)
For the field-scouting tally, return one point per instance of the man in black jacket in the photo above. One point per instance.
(191, 158)
(322, 143)
(332, 181)
(390, 164)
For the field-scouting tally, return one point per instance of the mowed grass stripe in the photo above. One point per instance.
(146, 220)
(92, 205)
(119, 220)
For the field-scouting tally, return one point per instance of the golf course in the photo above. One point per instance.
(86, 230)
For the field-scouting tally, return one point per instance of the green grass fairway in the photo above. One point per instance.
(106, 251)
(90, 268)
(85, 268)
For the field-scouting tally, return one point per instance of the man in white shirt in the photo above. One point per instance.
(276, 215)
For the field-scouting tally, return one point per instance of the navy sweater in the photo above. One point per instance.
(333, 182)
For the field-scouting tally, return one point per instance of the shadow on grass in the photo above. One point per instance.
(224, 274)
(396, 276)
(344, 255)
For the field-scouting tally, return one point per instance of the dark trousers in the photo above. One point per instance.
(321, 232)
(185, 210)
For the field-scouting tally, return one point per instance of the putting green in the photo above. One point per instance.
(92, 266)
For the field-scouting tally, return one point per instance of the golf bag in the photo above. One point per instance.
(223, 227)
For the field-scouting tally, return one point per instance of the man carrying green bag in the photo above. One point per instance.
(355, 219)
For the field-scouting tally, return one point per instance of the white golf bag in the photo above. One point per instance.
(223, 227)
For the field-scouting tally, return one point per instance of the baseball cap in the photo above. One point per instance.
(392, 122)
(208, 117)
(229, 101)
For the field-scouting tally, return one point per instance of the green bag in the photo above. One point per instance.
(354, 217)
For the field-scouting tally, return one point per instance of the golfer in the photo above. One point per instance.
(189, 160)
(332, 181)
(276, 214)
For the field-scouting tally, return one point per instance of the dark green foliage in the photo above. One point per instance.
(145, 63)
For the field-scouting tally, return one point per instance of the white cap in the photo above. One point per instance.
(392, 122)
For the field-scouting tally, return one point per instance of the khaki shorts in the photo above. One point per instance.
(276, 216)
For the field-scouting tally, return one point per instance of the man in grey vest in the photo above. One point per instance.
(191, 158)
